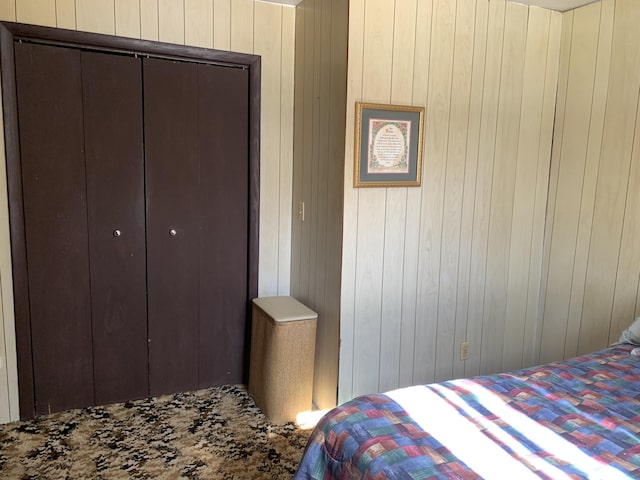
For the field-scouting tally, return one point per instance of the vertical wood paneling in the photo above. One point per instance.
(637, 314)
(486, 149)
(612, 184)
(149, 19)
(530, 350)
(422, 53)
(350, 214)
(462, 44)
(96, 17)
(242, 20)
(311, 10)
(396, 205)
(325, 389)
(66, 14)
(269, 47)
(624, 304)
(318, 206)
(222, 24)
(368, 291)
(320, 83)
(312, 172)
(594, 145)
(171, 21)
(298, 153)
(287, 64)
(8, 10)
(502, 195)
(261, 28)
(437, 127)
(9, 400)
(522, 224)
(391, 302)
(592, 269)
(594, 191)
(37, 12)
(469, 187)
(376, 86)
(9, 406)
(198, 23)
(404, 46)
(561, 101)
(378, 51)
(9, 410)
(5, 401)
(470, 252)
(572, 151)
(127, 15)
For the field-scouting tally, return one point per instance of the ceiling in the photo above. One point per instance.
(291, 3)
(560, 5)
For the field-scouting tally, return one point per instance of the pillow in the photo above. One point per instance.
(631, 334)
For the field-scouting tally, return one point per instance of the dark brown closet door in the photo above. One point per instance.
(112, 92)
(196, 151)
(80, 118)
(173, 177)
(223, 150)
(49, 98)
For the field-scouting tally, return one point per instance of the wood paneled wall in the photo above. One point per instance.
(9, 407)
(320, 93)
(246, 26)
(528, 254)
(460, 258)
(592, 266)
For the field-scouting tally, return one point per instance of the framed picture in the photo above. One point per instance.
(388, 145)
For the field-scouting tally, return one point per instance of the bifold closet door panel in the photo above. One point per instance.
(112, 92)
(49, 98)
(172, 180)
(224, 162)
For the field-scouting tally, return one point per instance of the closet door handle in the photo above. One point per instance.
(117, 233)
(173, 232)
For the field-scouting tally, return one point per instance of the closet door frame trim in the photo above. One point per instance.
(12, 32)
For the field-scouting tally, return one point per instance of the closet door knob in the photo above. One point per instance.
(173, 232)
(117, 233)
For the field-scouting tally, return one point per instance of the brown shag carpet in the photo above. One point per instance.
(217, 433)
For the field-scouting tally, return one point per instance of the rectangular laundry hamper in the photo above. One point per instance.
(283, 339)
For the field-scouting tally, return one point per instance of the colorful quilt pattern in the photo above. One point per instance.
(567, 420)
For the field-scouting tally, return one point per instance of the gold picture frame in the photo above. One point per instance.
(388, 145)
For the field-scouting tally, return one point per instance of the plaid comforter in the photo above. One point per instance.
(574, 419)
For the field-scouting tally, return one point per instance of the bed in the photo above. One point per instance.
(579, 418)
